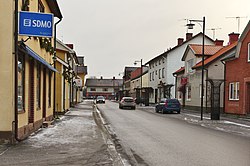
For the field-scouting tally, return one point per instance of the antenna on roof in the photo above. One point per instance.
(187, 20)
(214, 30)
(238, 20)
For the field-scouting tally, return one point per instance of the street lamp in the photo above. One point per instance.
(135, 63)
(190, 26)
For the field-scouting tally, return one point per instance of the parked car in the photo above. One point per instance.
(168, 105)
(100, 99)
(127, 102)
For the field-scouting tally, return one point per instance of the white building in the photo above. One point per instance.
(162, 67)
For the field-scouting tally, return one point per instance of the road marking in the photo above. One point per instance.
(4, 151)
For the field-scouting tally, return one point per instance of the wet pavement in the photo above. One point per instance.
(74, 139)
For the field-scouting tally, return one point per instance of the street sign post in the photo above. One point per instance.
(35, 24)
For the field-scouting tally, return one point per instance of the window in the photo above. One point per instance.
(163, 60)
(38, 86)
(163, 72)
(49, 94)
(159, 73)
(20, 83)
(248, 52)
(40, 6)
(149, 66)
(234, 91)
(190, 64)
(188, 92)
(159, 62)
(92, 89)
(156, 63)
(105, 89)
(153, 76)
(150, 76)
(25, 5)
(155, 72)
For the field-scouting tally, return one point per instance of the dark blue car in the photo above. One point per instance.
(168, 106)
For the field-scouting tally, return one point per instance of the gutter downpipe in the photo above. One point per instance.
(16, 72)
(54, 102)
(224, 93)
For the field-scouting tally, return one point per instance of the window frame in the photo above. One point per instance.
(41, 8)
(234, 91)
(22, 59)
(248, 50)
(188, 91)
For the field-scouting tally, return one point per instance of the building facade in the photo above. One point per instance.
(161, 67)
(237, 89)
(27, 91)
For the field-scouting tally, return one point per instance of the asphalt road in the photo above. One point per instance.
(161, 140)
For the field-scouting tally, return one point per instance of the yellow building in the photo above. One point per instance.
(27, 82)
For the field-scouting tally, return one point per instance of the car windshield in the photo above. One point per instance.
(100, 97)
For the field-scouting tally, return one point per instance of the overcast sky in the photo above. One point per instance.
(112, 34)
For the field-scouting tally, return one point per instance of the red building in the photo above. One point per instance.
(237, 87)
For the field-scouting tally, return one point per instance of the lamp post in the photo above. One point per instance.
(141, 79)
(190, 26)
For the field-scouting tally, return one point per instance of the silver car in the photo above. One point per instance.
(127, 102)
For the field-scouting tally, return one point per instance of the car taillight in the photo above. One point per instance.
(166, 103)
(122, 101)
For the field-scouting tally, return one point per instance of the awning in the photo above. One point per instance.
(38, 58)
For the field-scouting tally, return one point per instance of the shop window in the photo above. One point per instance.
(40, 6)
(38, 86)
(21, 78)
(234, 91)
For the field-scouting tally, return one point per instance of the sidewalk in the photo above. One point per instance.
(74, 139)
(228, 123)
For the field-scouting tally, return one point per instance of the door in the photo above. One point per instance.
(31, 92)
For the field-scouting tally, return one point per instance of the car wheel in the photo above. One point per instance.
(162, 111)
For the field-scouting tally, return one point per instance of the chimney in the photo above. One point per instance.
(188, 36)
(180, 41)
(70, 46)
(101, 77)
(233, 37)
(218, 42)
(113, 78)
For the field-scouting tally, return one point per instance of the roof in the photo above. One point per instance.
(208, 49)
(217, 55)
(90, 82)
(177, 46)
(242, 37)
(53, 5)
(180, 70)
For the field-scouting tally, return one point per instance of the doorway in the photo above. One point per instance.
(156, 95)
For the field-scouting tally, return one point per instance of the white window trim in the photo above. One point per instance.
(235, 86)
(188, 99)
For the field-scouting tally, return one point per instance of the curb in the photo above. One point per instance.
(110, 139)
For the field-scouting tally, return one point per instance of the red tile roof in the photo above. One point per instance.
(208, 49)
(216, 55)
(182, 69)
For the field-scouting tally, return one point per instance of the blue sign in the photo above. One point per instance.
(36, 24)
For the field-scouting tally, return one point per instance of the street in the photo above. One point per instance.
(162, 139)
